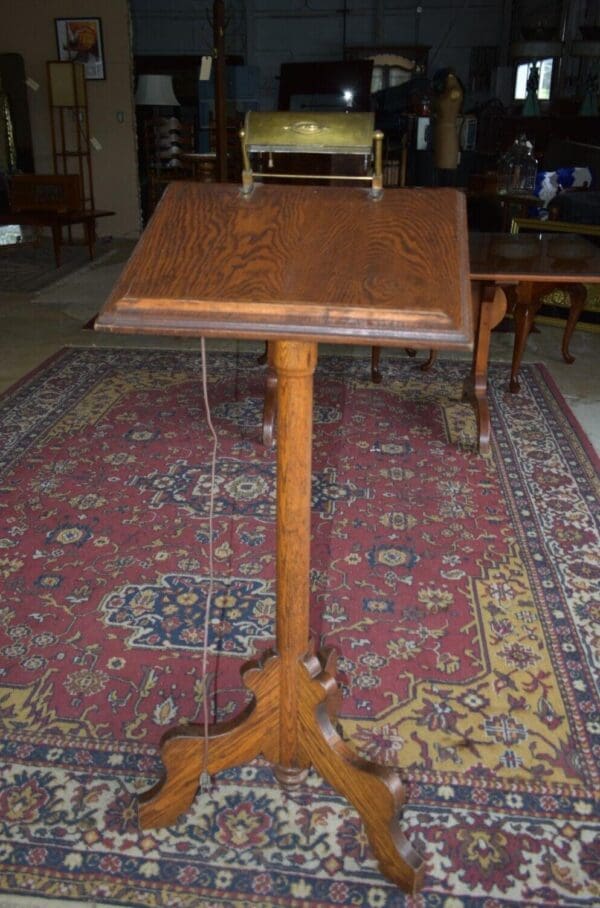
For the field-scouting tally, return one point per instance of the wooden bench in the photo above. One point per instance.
(54, 201)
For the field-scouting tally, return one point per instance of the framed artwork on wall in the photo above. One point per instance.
(80, 41)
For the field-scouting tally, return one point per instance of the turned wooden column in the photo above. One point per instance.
(295, 363)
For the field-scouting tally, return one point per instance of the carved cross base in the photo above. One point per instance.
(376, 792)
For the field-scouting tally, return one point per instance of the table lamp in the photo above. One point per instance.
(332, 133)
(155, 91)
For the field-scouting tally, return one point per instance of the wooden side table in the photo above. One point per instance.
(296, 265)
(535, 264)
(529, 296)
(56, 220)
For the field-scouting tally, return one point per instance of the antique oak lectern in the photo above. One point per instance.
(296, 265)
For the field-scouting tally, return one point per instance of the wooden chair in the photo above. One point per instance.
(54, 201)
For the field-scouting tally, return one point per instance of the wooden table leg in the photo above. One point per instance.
(376, 792)
(89, 226)
(489, 303)
(578, 297)
(429, 362)
(375, 367)
(56, 242)
(270, 402)
(376, 375)
(524, 315)
(264, 356)
(528, 302)
(295, 693)
(528, 299)
(187, 752)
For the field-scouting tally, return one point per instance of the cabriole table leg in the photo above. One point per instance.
(489, 303)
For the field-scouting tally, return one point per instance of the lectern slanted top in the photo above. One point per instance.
(312, 263)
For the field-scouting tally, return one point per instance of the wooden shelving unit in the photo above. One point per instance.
(70, 127)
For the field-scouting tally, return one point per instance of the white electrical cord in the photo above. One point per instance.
(205, 776)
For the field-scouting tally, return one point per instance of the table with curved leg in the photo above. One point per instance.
(529, 296)
(297, 266)
(533, 266)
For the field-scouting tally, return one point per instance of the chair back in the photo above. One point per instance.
(45, 192)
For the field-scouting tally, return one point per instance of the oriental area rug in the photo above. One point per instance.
(461, 592)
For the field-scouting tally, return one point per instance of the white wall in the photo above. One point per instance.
(28, 29)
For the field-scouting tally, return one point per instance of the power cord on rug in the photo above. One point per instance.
(205, 780)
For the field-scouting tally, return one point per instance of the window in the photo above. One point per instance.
(545, 79)
(388, 77)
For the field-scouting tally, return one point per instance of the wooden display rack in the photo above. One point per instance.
(70, 126)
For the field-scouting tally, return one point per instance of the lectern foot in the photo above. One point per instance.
(375, 791)
(187, 752)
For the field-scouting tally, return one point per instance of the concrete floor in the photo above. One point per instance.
(33, 326)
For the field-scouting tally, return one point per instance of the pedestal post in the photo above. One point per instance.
(295, 363)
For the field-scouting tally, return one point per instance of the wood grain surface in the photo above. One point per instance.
(294, 261)
(559, 258)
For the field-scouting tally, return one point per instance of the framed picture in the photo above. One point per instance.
(80, 41)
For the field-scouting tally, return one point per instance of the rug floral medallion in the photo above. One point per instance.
(461, 592)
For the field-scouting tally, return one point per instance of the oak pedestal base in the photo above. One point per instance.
(376, 792)
(295, 693)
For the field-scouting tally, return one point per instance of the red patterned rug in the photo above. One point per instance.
(461, 590)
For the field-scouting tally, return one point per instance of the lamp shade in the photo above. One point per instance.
(156, 91)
